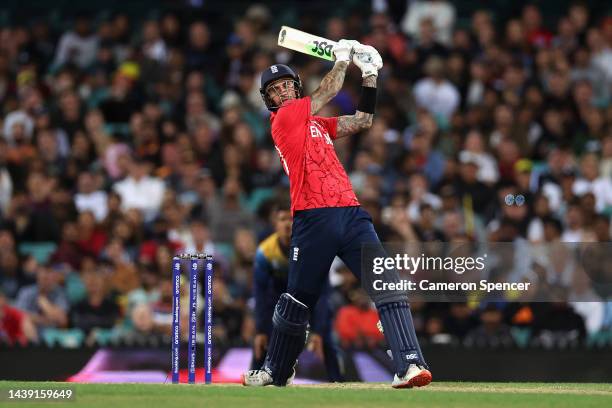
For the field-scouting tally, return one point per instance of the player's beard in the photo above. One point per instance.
(284, 96)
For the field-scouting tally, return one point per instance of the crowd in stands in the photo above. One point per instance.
(125, 139)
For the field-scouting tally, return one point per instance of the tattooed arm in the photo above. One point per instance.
(330, 86)
(351, 124)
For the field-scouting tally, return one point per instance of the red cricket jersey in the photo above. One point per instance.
(304, 144)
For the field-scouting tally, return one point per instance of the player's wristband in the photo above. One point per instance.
(367, 100)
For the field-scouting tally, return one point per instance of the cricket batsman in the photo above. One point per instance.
(328, 220)
(270, 282)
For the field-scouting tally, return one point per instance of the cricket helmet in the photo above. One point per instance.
(273, 73)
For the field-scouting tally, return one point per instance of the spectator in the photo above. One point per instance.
(442, 13)
(121, 101)
(558, 322)
(537, 35)
(15, 326)
(97, 310)
(423, 156)
(199, 241)
(425, 227)
(419, 196)
(78, 46)
(197, 54)
(356, 322)
(435, 93)
(197, 113)
(153, 45)
(45, 301)
(227, 214)
(386, 39)
(427, 46)
(492, 330)
(68, 250)
(18, 128)
(41, 225)
(140, 190)
(601, 53)
(575, 224)
(590, 182)
(469, 188)
(91, 238)
(70, 116)
(90, 198)
(474, 150)
(461, 320)
(170, 29)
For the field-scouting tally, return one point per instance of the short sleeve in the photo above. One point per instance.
(331, 124)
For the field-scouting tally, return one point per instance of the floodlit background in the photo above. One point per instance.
(133, 131)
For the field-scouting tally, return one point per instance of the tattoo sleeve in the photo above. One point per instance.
(330, 86)
(351, 124)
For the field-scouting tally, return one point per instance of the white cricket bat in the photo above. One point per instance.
(310, 44)
(306, 43)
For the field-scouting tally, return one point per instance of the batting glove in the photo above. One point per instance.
(367, 59)
(343, 50)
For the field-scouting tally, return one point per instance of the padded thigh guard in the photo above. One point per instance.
(290, 323)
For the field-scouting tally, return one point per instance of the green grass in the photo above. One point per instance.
(440, 394)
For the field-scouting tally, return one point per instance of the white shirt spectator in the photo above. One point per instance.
(89, 197)
(96, 202)
(439, 98)
(601, 189)
(74, 48)
(487, 166)
(145, 194)
(442, 13)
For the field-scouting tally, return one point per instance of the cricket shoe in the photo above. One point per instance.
(416, 376)
(261, 378)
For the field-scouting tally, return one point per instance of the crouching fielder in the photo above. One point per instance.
(328, 220)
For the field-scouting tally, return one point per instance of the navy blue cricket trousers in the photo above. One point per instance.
(319, 235)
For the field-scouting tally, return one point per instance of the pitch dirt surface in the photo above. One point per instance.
(350, 395)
